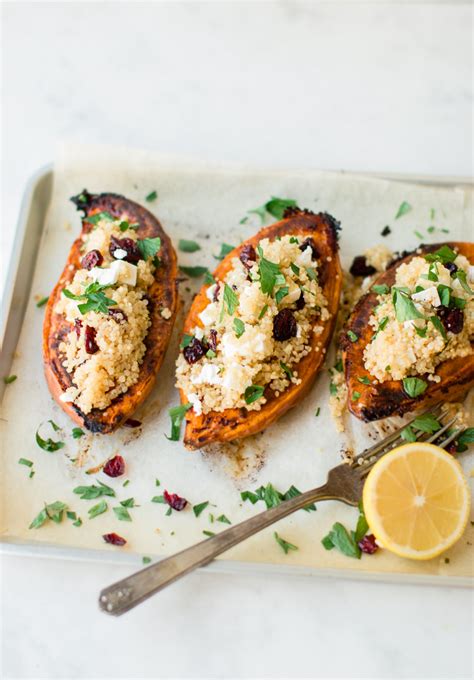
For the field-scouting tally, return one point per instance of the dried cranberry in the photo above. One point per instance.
(77, 327)
(131, 422)
(91, 346)
(284, 325)
(248, 256)
(452, 319)
(174, 501)
(310, 242)
(194, 351)
(213, 339)
(451, 267)
(129, 245)
(300, 302)
(114, 467)
(118, 315)
(114, 539)
(368, 544)
(215, 295)
(359, 267)
(92, 259)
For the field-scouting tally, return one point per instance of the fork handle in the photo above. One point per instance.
(127, 593)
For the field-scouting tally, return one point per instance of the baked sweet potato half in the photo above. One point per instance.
(371, 399)
(161, 294)
(303, 230)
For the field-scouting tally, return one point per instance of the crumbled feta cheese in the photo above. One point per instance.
(210, 291)
(66, 398)
(166, 313)
(209, 314)
(196, 403)
(236, 378)
(294, 293)
(118, 272)
(429, 295)
(305, 258)
(209, 375)
(198, 333)
(252, 343)
(120, 253)
(470, 273)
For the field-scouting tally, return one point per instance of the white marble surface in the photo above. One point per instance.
(356, 86)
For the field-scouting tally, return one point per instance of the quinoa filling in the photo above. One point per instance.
(425, 319)
(106, 305)
(256, 328)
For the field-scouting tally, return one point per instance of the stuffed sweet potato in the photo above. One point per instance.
(255, 339)
(409, 341)
(109, 318)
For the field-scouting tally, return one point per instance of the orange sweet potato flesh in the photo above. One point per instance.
(389, 398)
(162, 293)
(237, 423)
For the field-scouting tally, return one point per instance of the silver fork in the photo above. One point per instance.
(344, 483)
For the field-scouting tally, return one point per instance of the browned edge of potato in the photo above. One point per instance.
(162, 293)
(381, 400)
(237, 423)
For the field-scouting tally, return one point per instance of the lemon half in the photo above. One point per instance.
(417, 501)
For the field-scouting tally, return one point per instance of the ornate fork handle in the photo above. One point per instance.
(127, 593)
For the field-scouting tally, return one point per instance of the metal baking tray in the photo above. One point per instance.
(18, 292)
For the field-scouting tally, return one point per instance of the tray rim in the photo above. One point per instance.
(14, 547)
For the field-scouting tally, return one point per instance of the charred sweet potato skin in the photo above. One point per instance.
(237, 423)
(381, 400)
(162, 293)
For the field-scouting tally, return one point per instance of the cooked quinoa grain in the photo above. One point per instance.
(118, 329)
(237, 335)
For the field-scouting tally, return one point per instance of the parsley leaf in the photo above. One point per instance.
(122, 514)
(405, 309)
(342, 540)
(353, 337)
(444, 255)
(275, 207)
(53, 511)
(48, 444)
(381, 290)
(460, 275)
(465, 438)
(152, 196)
(253, 393)
(96, 301)
(25, 461)
(188, 246)
(197, 509)
(77, 432)
(239, 327)
(194, 272)
(403, 209)
(281, 293)
(286, 370)
(94, 219)
(225, 250)
(439, 326)
(223, 519)
(98, 509)
(413, 387)
(284, 545)
(230, 299)
(9, 379)
(177, 414)
(42, 301)
(149, 247)
(89, 492)
(269, 272)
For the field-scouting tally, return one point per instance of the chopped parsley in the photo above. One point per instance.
(439, 326)
(460, 275)
(253, 393)
(318, 411)
(98, 509)
(225, 250)
(9, 379)
(208, 533)
(49, 444)
(405, 309)
(444, 293)
(209, 280)
(287, 370)
(424, 423)
(25, 461)
(197, 509)
(188, 246)
(152, 196)
(403, 209)
(42, 301)
(419, 235)
(230, 299)
(380, 289)
(51, 511)
(194, 272)
(355, 396)
(89, 492)
(239, 327)
(146, 559)
(96, 301)
(353, 337)
(262, 313)
(311, 273)
(149, 247)
(364, 380)
(342, 540)
(295, 269)
(77, 433)
(94, 219)
(275, 207)
(270, 274)
(122, 514)
(414, 387)
(186, 341)
(272, 497)
(177, 414)
(444, 255)
(284, 545)
(223, 519)
(281, 293)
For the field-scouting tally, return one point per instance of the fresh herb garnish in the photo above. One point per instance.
(275, 207)
(77, 433)
(49, 444)
(25, 461)
(262, 313)
(9, 379)
(125, 224)
(53, 511)
(421, 332)
(89, 492)
(405, 309)
(225, 250)
(149, 247)
(209, 280)
(146, 560)
(355, 395)
(287, 370)
(424, 423)
(42, 301)
(223, 519)
(318, 411)
(413, 387)
(177, 414)
(444, 293)
(444, 255)
(364, 380)
(295, 269)
(284, 545)
(465, 438)
(239, 327)
(188, 246)
(98, 509)
(311, 273)
(353, 337)
(230, 299)
(403, 209)
(419, 235)
(269, 272)
(381, 289)
(94, 219)
(194, 272)
(460, 275)
(342, 540)
(96, 301)
(253, 393)
(439, 326)
(197, 509)
(210, 354)
(186, 341)
(208, 533)
(122, 514)
(272, 497)
(152, 196)
(332, 389)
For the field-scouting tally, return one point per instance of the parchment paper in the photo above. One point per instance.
(205, 203)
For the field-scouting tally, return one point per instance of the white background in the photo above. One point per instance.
(363, 86)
